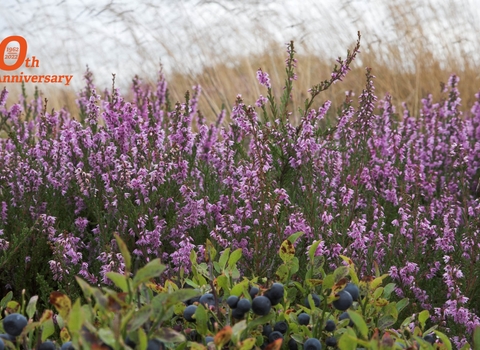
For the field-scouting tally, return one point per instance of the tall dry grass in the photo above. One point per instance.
(407, 63)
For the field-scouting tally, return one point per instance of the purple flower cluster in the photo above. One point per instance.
(394, 190)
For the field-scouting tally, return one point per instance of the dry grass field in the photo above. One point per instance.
(427, 41)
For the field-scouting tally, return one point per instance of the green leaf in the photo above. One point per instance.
(6, 299)
(402, 304)
(377, 293)
(407, 321)
(202, 268)
(260, 321)
(282, 273)
(222, 282)
(431, 329)
(309, 273)
(224, 258)
(140, 317)
(476, 338)
(328, 282)
(32, 306)
(234, 257)
(168, 335)
(292, 293)
(48, 328)
(62, 303)
(360, 323)
(76, 318)
(192, 283)
(387, 291)
(294, 266)
(294, 237)
(240, 288)
(348, 341)
(444, 339)
(378, 281)
(201, 319)
(247, 344)
(234, 273)
(237, 330)
(125, 253)
(217, 267)
(391, 309)
(313, 249)
(164, 301)
(153, 269)
(142, 339)
(341, 272)
(193, 345)
(119, 280)
(193, 257)
(210, 251)
(423, 317)
(107, 336)
(385, 321)
(287, 251)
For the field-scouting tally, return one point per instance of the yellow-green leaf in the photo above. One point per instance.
(238, 328)
(201, 319)
(32, 306)
(378, 281)
(328, 282)
(223, 337)
(13, 306)
(348, 341)
(358, 320)
(64, 335)
(192, 345)
(193, 257)
(234, 257)
(282, 273)
(62, 303)
(423, 317)
(247, 344)
(119, 280)
(107, 336)
(224, 258)
(222, 282)
(48, 328)
(294, 237)
(210, 251)
(286, 251)
(76, 317)
(142, 339)
(6, 299)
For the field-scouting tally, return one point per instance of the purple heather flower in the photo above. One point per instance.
(263, 78)
(3, 97)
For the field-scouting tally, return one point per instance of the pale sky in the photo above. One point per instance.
(132, 37)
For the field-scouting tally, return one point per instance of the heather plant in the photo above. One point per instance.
(138, 312)
(398, 193)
